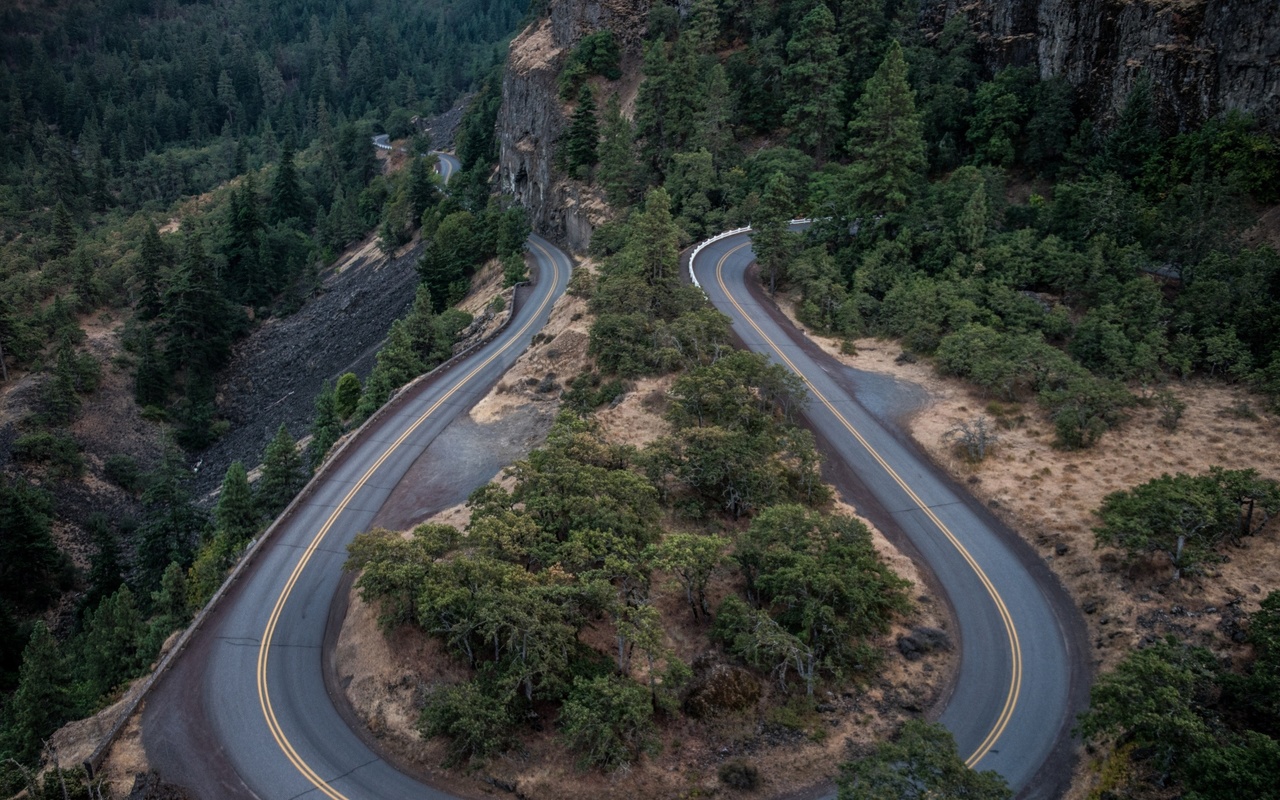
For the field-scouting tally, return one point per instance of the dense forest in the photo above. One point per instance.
(113, 116)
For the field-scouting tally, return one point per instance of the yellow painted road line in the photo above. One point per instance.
(264, 692)
(1015, 646)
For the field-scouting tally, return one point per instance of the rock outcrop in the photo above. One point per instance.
(1204, 57)
(532, 116)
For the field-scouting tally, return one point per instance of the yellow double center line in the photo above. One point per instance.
(1015, 683)
(264, 649)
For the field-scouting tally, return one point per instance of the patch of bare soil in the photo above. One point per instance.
(637, 418)
(558, 354)
(1049, 496)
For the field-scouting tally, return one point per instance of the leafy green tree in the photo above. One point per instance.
(282, 474)
(692, 185)
(1157, 697)
(475, 716)
(1258, 691)
(821, 578)
(921, 762)
(814, 82)
(608, 720)
(1186, 516)
(999, 112)
(886, 140)
(346, 395)
(691, 559)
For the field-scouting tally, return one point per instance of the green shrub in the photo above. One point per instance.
(61, 453)
(608, 720)
(123, 471)
(476, 717)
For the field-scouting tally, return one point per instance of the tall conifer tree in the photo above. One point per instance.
(886, 140)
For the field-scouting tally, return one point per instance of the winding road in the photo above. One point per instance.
(246, 712)
(1018, 690)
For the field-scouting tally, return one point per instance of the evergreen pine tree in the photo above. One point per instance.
(170, 526)
(713, 129)
(423, 194)
(1135, 137)
(686, 94)
(245, 278)
(282, 474)
(198, 318)
(325, 428)
(814, 84)
(421, 325)
(655, 240)
(773, 243)
(583, 136)
(58, 397)
(704, 26)
(861, 30)
(42, 700)
(106, 573)
(617, 172)
(287, 200)
(886, 142)
(651, 115)
(153, 256)
(63, 230)
(151, 382)
(236, 513)
(110, 647)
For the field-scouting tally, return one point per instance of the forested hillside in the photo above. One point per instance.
(977, 216)
(187, 168)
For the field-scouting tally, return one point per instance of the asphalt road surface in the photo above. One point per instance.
(245, 711)
(1019, 687)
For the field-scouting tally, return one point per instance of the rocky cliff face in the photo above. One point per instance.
(532, 117)
(1205, 57)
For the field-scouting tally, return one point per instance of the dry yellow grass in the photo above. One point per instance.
(1049, 496)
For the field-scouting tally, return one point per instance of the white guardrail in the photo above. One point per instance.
(725, 235)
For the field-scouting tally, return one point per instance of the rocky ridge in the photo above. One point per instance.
(1205, 57)
(532, 117)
